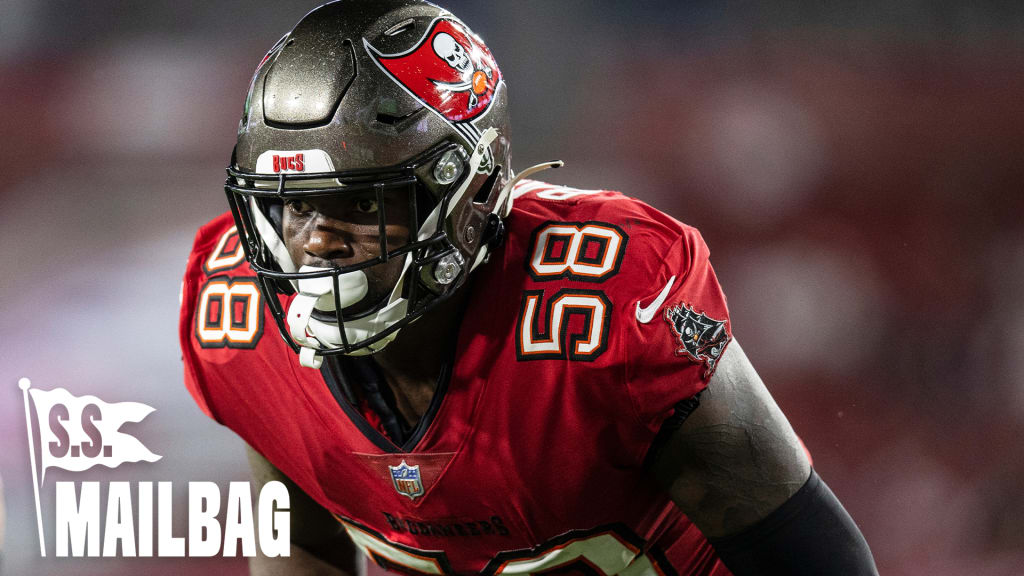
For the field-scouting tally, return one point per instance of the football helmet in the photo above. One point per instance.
(378, 98)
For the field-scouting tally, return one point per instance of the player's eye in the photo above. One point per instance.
(298, 207)
(366, 205)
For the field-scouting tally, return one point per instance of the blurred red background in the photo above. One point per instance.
(856, 173)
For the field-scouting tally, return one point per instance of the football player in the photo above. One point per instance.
(476, 372)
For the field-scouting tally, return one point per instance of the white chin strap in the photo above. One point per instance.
(318, 294)
(503, 208)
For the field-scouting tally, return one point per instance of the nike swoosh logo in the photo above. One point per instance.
(645, 314)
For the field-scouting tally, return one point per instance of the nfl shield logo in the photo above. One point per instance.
(407, 480)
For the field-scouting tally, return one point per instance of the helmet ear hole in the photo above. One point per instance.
(484, 193)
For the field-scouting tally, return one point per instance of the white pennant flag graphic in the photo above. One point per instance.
(89, 433)
(79, 432)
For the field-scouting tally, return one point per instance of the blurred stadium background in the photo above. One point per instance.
(856, 171)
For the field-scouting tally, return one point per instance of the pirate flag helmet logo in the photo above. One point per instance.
(449, 69)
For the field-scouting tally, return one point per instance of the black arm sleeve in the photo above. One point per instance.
(811, 533)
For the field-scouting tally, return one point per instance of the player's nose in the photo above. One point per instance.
(327, 243)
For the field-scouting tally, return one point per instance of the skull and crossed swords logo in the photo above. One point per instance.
(474, 80)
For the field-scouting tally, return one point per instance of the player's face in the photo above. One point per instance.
(344, 230)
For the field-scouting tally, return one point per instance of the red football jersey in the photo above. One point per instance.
(592, 321)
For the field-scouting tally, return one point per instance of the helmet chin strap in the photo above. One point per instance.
(503, 208)
(314, 336)
(318, 294)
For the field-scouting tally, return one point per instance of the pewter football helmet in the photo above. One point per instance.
(371, 97)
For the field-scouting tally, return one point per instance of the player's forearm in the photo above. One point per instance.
(810, 534)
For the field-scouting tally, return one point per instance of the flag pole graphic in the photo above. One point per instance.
(24, 384)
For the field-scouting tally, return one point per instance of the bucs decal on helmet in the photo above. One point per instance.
(449, 69)
(702, 338)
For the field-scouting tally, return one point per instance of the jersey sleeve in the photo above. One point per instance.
(681, 330)
(205, 244)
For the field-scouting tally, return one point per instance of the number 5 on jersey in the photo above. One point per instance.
(556, 342)
(230, 313)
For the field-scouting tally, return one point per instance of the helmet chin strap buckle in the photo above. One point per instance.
(310, 358)
(300, 312)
